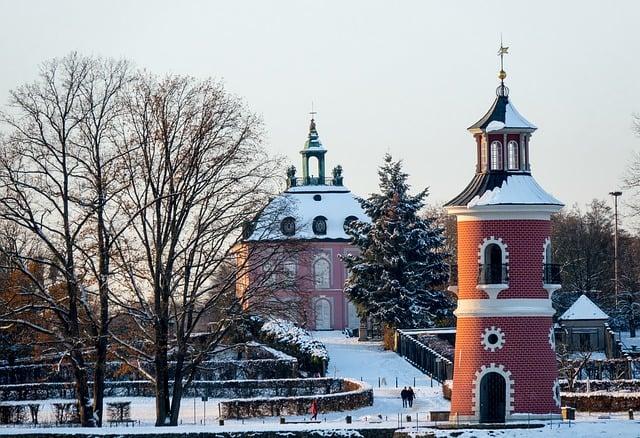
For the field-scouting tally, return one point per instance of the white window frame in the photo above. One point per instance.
(496, 155)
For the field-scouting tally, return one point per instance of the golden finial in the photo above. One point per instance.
(501, 52)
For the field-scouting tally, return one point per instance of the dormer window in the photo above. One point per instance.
(513, 161)
(348, 221)
(319, 225)
(496, 155)
(288, 226)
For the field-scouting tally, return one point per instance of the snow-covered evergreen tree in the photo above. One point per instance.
(401, 264)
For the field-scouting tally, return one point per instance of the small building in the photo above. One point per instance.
(582, 326)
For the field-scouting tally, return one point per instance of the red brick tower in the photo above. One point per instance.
(505, 366)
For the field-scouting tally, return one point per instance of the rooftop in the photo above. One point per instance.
(583, 309)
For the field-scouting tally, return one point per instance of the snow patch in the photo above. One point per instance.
(516, 189)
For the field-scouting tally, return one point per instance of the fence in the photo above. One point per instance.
(422, 357)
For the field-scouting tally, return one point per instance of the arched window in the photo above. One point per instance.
(484, 157)
(547, 254)
(348, 221)
(289, 271)
(512, 155)
(319, 225)
(496, 155)
(288, 226)
(493, 264)
(322, 273)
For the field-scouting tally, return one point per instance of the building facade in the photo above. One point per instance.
(309, 218)
(505, 365)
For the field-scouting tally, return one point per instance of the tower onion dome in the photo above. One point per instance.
(503, 173)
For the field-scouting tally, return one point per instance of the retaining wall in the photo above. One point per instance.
(331, 394)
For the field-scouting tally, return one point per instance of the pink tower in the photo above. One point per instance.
(505, 364)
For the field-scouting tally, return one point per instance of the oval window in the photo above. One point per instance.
(348, 221)
(320, 225)
(288, 226)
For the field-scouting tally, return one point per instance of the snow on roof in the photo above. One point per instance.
(502, 115)
(335, 204)
(516, 189)
(583, 308)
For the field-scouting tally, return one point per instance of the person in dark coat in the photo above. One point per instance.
(404, 395)
(410, 396)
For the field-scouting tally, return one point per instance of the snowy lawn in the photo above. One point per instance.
(358, 360)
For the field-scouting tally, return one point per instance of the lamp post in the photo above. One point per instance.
(615, 243)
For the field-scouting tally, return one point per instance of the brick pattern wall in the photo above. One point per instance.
(526, 353)
(525, 243)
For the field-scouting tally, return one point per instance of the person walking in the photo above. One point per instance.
(410, 396)
(314, 410)
(403, 395)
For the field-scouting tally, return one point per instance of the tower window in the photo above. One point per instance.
(484, 157)
(512, 154)
(496, 155)
(319, 225)
(288, 226)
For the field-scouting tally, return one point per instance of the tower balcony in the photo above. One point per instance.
(552, 273)
(493, 278)
(493, 273)
(314, 181)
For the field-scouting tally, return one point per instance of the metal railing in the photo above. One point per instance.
(314, 181)
(493, 273)
(424, 358)
(552, 273)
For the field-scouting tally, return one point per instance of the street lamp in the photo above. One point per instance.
(615, 243)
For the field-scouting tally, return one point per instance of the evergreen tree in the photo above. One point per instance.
(401, 261)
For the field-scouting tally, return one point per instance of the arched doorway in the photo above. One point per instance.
(322, 310)
(492, 398)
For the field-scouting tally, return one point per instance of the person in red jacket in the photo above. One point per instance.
(314, 409)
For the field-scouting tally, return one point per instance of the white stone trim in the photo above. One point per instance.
(504, 307)
(545, 245)
(504, 212)
(509, 388)
(556, 393)
(492, 290)
(484, 338)
(493, 240)
(552, 339)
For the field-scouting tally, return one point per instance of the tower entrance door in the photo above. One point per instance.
(492, 398)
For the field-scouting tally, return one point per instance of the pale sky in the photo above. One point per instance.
(406, 77)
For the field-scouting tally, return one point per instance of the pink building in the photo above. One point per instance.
(310, 216)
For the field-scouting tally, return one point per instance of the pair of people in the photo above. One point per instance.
(407, 396)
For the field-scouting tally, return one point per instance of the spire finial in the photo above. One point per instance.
(312, 112)
(501, 52)
(502, 89)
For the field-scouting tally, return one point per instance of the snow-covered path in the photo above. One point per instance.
(368, 361)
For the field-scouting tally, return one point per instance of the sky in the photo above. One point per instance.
(405, 77)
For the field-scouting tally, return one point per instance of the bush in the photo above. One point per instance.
(286, 336)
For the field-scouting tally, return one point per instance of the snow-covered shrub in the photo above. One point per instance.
(286, 336)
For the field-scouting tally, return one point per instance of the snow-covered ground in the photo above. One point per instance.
(369, 362)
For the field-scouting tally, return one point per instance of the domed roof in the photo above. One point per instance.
(502, 115)
(304, 204)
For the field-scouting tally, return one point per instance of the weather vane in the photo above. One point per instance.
(501, 52)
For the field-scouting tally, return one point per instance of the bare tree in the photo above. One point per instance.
(197, 173)
(55, 178)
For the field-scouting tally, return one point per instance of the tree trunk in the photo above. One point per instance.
(632, 327)
(161, 363)
(82, 389)
(178, 390)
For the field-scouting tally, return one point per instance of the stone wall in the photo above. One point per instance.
(601, 401)
(331, 394)
(252, 361)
